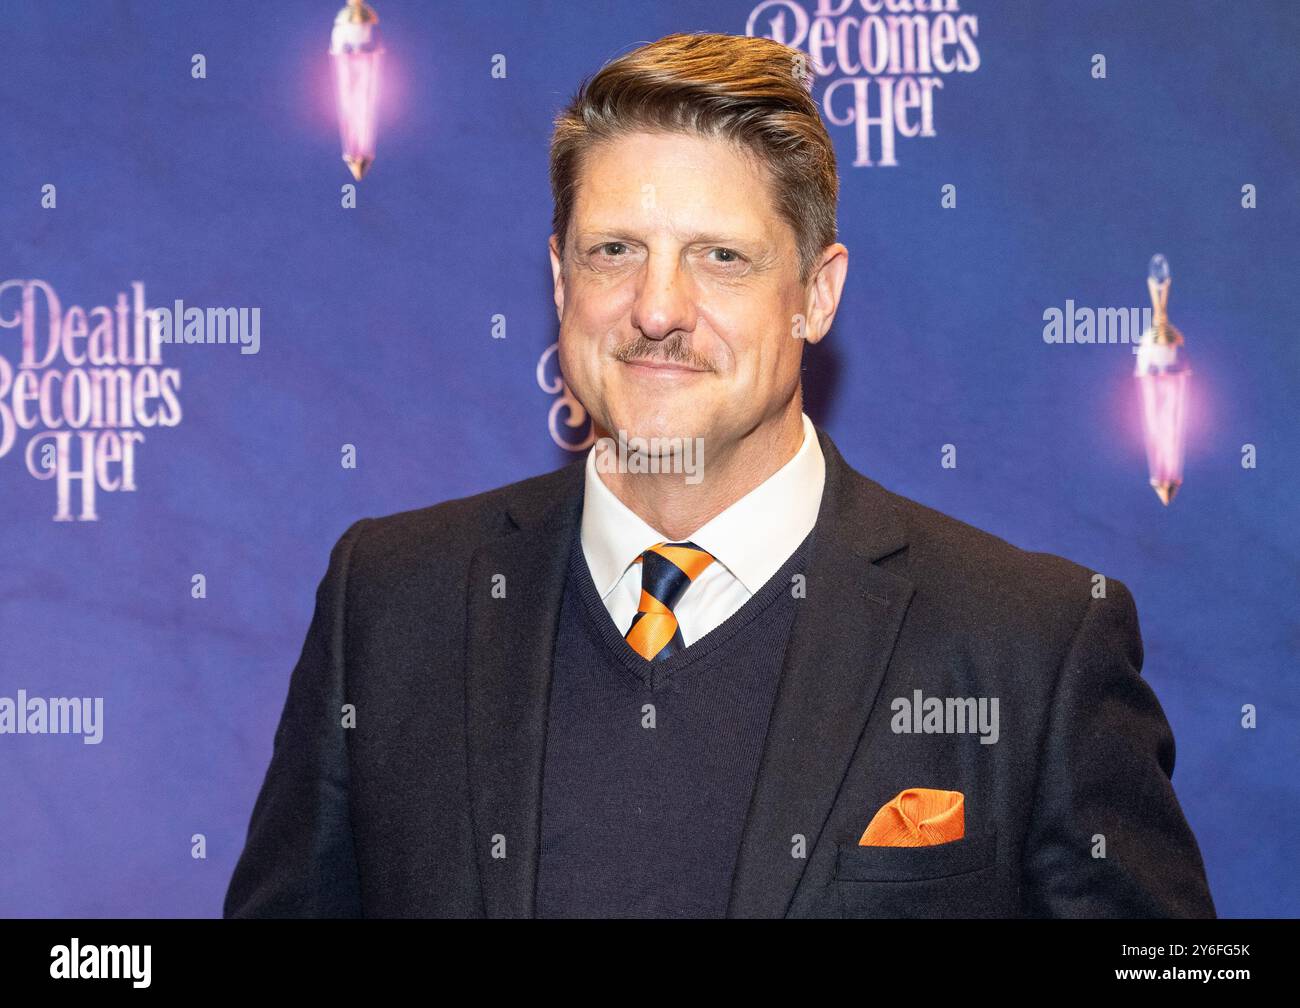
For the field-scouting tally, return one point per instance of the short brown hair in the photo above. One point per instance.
(751, 91)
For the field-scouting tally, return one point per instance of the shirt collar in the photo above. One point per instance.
(752, 538)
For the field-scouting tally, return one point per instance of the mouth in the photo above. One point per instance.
(667, 367)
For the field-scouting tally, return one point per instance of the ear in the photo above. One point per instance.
(557, 276)
(822, 298)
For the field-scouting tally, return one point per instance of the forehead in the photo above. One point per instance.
(681, 178)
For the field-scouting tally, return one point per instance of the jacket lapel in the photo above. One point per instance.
(840, 644)
(509, 644)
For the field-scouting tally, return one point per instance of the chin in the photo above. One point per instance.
(653, 424)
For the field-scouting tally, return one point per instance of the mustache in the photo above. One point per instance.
(673, 350)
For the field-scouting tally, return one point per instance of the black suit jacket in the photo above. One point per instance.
(398, 815)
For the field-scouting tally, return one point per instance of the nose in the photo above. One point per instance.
(665, 297)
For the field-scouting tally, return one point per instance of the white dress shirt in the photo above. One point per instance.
(750, 541)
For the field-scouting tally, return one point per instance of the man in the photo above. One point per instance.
(765, 686)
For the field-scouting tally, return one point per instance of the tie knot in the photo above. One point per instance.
(668, 568)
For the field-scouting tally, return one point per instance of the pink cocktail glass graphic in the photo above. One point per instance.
(1162, 373)
(355, 50)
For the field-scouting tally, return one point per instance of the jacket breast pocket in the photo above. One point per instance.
(957, 879)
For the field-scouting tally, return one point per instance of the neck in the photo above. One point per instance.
(666, 502)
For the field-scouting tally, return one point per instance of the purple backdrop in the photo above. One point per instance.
(376, 330)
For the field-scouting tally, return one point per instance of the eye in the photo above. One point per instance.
(604, 249)
(733, 256)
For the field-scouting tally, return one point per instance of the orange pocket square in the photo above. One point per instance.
(917, 817)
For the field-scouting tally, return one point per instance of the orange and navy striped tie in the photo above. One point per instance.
(667, 570)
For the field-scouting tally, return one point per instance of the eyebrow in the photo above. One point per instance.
(696, 238)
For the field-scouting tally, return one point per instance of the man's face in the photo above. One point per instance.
(679, 296)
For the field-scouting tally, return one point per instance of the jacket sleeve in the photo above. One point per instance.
(1105, 776)
(298, 859)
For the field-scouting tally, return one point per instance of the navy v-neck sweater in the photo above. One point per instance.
(650, 766)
